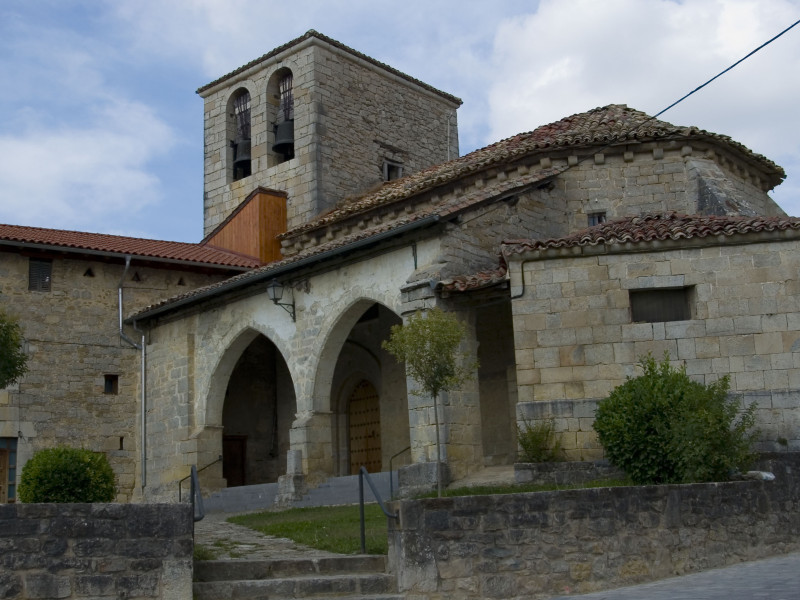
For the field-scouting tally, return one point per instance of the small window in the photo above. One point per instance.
(392, 170)
(656, 306)
(39, 274)
(111, 385)
(88, 273)
(596, 218)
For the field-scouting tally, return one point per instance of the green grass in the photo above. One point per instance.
(336, 528)
(331, 528)
(485, 490)
(202, 552)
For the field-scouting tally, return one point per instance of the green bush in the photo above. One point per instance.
(663, 427)
(538, 442)
(67, 475)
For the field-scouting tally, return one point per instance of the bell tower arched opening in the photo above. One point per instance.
(280, 117)
(239, 137)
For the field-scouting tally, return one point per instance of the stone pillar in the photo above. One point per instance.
(291, 487)
(459, 410)
(312, 435)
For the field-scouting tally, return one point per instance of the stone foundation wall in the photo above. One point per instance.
(96, 551)
(537, 545)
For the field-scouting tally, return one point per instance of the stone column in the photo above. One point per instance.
(312, 435)
(459, 411)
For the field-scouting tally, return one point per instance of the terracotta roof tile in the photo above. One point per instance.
(599, 126)
(656, 227)
(477, 281)
(115, 244)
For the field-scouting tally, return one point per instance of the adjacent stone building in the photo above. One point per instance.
(340, 178)
(83, 388)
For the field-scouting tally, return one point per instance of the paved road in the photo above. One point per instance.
(770, 579)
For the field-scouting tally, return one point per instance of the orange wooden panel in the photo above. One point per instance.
(254, 228)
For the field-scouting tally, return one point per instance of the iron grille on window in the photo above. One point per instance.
(286, 105)
(596, 218)
(655, 306)
(39, 274)
(241, 108)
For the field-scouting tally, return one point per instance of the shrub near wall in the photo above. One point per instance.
(96, 551)
(537, 545)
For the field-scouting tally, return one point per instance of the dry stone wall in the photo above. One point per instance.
(538, 545)
(96, 551)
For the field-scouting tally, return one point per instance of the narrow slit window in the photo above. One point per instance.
(660, 305)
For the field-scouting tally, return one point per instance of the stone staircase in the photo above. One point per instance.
(344, 577)
(334, 491)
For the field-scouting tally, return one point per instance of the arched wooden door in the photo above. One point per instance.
(364, 416)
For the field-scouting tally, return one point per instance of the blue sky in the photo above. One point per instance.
(102, 129)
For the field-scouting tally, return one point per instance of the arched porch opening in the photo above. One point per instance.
(257, 413)
(369, 400)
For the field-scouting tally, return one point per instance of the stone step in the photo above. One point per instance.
(233, 570)
(357, 585)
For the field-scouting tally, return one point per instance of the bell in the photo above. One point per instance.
(242, 149)
(284, 138)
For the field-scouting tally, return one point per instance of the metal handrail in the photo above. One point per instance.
(180, 483)
(391, 479)
(361, 473)
(198, 510)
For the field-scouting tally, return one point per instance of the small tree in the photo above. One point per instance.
(663, 427)
(13, 361)
(428, 345)
(67, 475)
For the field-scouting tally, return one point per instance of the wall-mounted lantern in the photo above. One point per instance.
(275, 293)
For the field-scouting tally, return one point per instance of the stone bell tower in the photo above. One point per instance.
(318, 122)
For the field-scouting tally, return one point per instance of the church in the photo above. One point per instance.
(336, 205)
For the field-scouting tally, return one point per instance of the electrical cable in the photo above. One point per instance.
(720, 74)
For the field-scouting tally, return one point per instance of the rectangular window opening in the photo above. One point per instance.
(111, 384)
(40, 273)
(596, 218)
(660, 305)
(392, 170)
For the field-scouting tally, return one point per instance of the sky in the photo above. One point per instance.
(102, 130)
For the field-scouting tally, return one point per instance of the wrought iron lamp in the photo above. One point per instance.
(275, 293)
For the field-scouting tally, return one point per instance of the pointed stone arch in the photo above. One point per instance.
(250, 406)
(352, 357)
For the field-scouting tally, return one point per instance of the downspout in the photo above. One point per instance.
(143, 351)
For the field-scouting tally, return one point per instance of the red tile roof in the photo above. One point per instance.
(629, 230)
(469, 283)
(646, 228)
(114, 244)
(596, 127)
(315, 34)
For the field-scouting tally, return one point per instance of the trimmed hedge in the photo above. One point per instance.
(67, 475)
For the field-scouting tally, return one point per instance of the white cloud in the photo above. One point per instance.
(574, 55)
(73, 177)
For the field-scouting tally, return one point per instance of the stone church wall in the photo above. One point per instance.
(575, 340)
